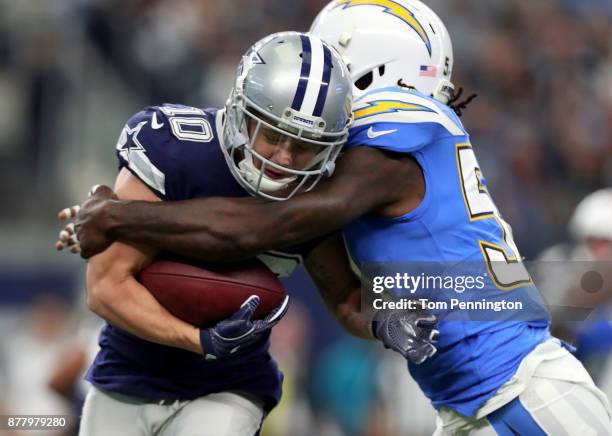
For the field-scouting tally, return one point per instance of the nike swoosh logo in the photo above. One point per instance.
(154, 124)
(372, 134)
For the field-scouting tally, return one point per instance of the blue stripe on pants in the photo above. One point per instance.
(513, 419)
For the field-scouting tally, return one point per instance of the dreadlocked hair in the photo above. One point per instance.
(401, 84)
(457, 105)
(454, 103)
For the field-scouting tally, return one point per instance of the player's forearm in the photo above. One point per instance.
(351, 318)
(196, 227)
(222, 229)
(329, 267)
(226, 229)
(129, 306)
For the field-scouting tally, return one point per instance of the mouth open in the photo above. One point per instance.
(275, 174)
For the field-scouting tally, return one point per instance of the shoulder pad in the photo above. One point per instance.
(401, 120)
(156, 140)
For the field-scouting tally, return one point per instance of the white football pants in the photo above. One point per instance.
(550, 394)
(219, 414)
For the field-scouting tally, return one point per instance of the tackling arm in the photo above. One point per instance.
(367, 180)
(412, 333)
(328, 266)
(115, 294)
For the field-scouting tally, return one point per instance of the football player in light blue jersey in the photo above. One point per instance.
(408, 189)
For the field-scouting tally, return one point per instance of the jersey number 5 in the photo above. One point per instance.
(503, 263)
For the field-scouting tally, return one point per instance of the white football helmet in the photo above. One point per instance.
(591, 219)
(291, 88)
(383, 41)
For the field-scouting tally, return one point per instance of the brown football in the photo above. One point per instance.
(204, 294)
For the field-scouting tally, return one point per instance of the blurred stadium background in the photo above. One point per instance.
(72, 72)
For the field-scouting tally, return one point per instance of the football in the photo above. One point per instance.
(204, 294)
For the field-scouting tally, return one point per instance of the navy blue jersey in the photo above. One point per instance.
(176, 151)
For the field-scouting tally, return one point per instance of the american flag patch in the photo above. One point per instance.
(428, 71)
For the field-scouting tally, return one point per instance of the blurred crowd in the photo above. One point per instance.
(542, 124)
(72, 72)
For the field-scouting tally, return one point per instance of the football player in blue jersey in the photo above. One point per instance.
(284, 125)
(407, 188)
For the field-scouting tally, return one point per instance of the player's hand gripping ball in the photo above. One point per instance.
(235, 304)
(238, 331)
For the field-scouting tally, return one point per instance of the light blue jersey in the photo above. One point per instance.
(456, 223)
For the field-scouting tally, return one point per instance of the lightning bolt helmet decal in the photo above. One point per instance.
(395, 9)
